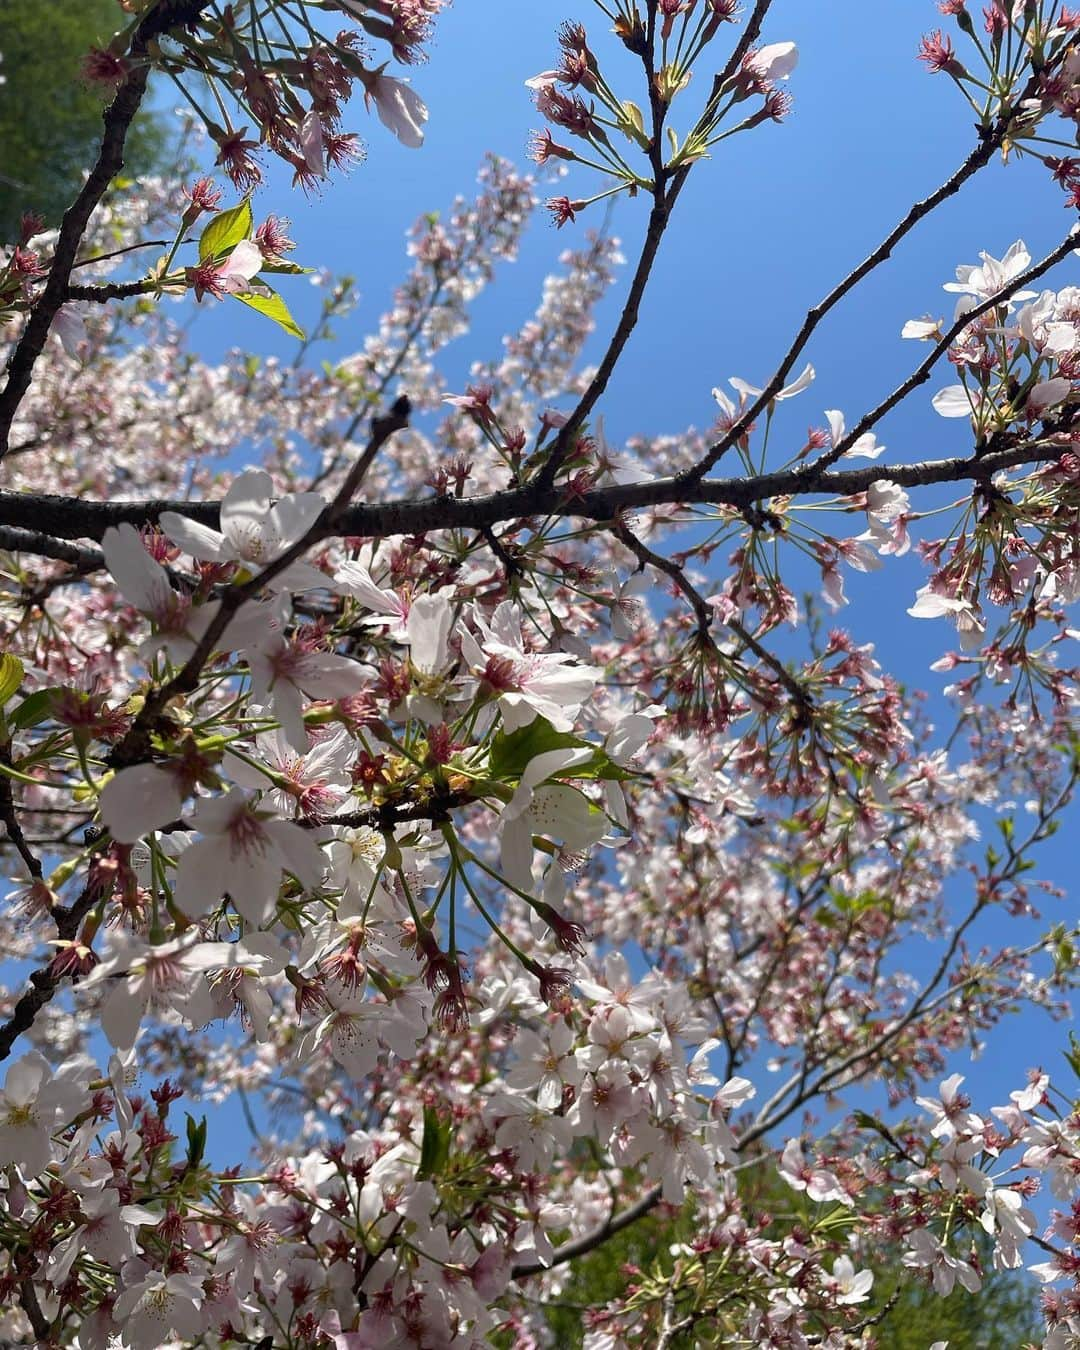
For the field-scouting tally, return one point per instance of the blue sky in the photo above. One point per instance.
(760, 233)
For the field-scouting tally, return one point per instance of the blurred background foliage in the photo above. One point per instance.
(50, 118)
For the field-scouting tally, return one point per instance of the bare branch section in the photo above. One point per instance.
(118, 117)
(991, 141)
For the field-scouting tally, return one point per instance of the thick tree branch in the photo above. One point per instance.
(73, 518)
(42, 545)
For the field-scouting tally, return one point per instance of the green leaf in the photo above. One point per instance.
(1072, 1055)
(274, 308)
(196, 1140)
(11, 673)
(435, 1146)
(512, 751)
(289, 268)
(837, 1217)
(225, 231)
(37, 708)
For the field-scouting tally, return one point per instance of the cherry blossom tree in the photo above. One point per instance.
(472, 801)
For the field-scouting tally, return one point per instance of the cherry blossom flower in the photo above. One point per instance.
(545, 1065)
(926, 1252)
(865, 447)
(931, 604)
(922, 330)
(142, 798)
(310, 784)
(555, 810)
(69, 326)
(1047, 394)
(253, 959)
(985, 281)
(283, 672)
(154, 1305)
(231, 276)
(145, 583)
(797, 386)
(851, 1286)
(818, 1182)
(243, 851)
(957, 400)
(255, 529)
(33, 1103)
(775, 61)
(166, 974)
(400, 108)
(388, 606)
(526, 684)
(950, 1111)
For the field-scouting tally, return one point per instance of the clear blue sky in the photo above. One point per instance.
(760, 233)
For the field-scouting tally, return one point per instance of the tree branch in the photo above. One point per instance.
(590, 1241)
(18, 540)
(111, 290)
(11, 820)
(43, 983)
(132, 748)
(705, 613)
(664, 199)
(74, 518)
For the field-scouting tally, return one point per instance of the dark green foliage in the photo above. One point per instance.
(50, 120)
(1004, 1316)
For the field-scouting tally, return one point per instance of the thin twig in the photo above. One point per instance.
(43, 982)
(979, 157)
(112, 290)
(10, 818)
(705, 612)
(922, 372)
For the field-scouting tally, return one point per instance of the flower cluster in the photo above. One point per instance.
(416, 771)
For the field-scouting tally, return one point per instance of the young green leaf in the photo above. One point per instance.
(11, 673)
(274, 308)
(225, 231)
(32, 710)
(435, 1145)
